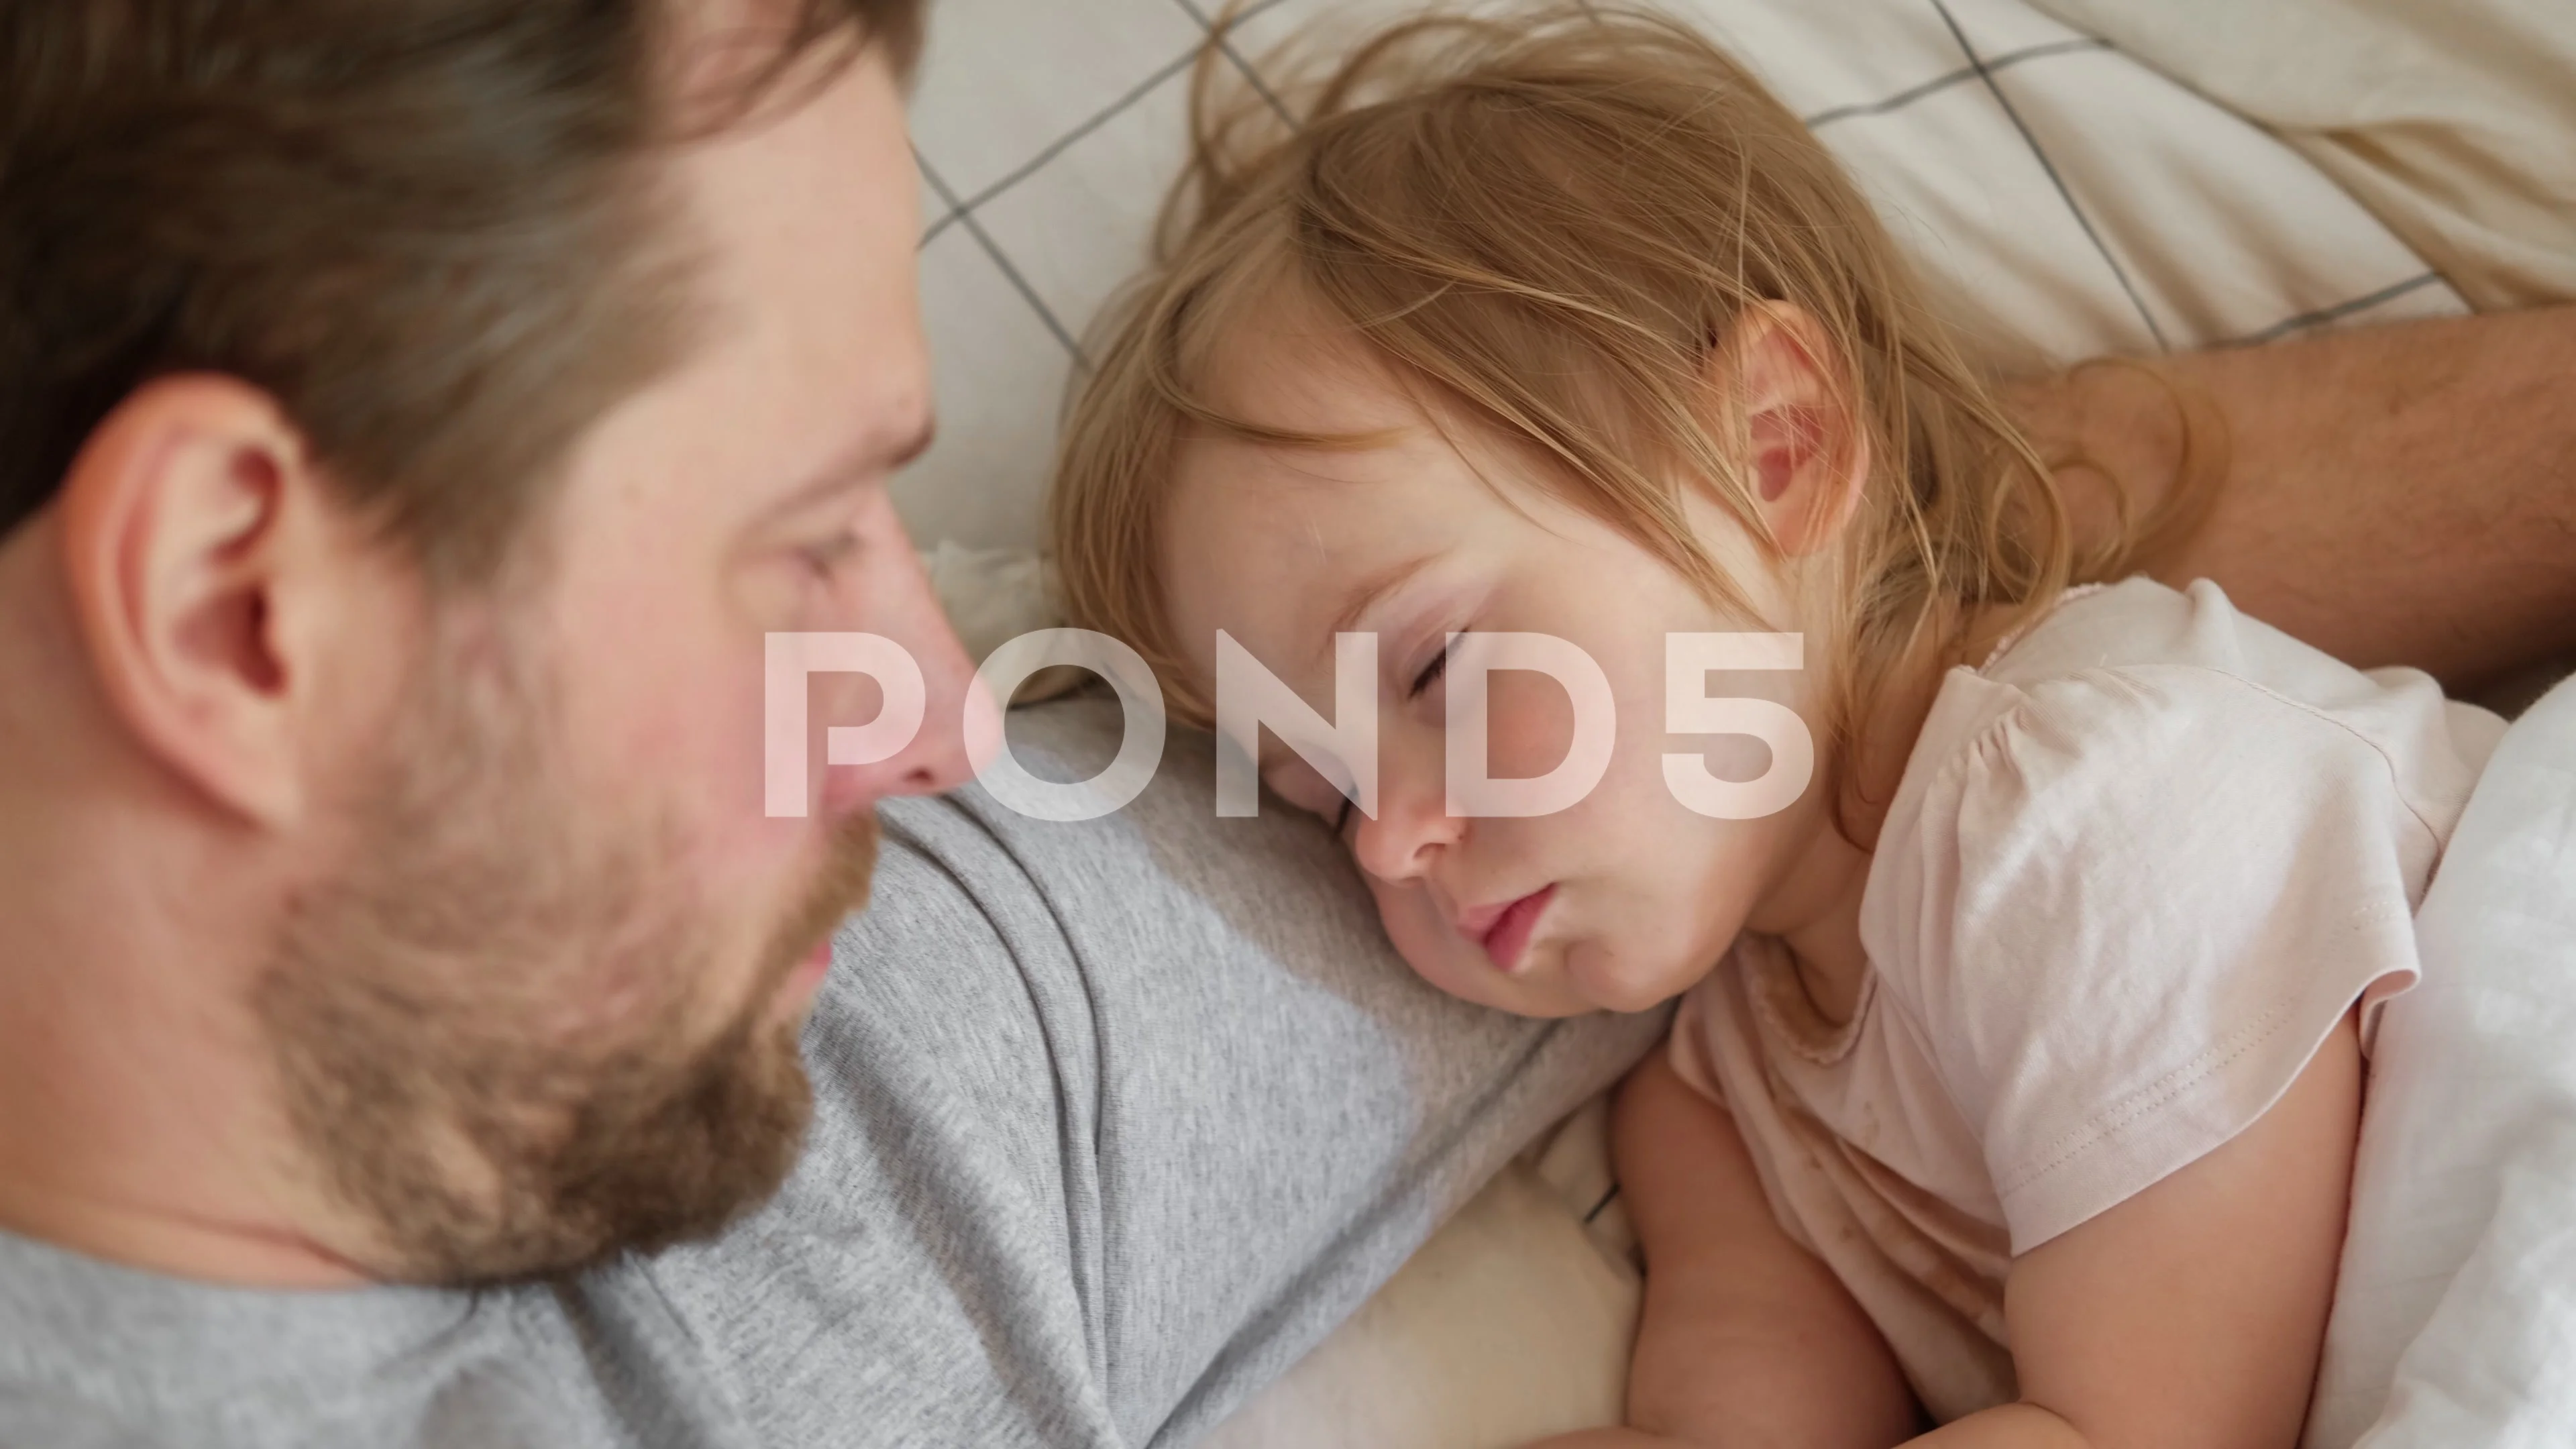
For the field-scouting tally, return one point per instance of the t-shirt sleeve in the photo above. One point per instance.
(2138, 900)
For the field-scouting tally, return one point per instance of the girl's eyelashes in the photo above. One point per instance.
(1342, 817)
(1431, 672)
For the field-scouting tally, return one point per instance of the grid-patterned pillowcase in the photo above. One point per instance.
(2068, 200)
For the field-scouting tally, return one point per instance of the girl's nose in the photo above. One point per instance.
(1412, 826)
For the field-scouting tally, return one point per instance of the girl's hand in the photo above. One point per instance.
(1746, 1337)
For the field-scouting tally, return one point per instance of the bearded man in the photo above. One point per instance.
(414, 416)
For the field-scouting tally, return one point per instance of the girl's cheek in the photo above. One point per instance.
(1729, 757)
(1616, 980)
(1529, 724)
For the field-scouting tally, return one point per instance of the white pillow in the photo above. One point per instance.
(2072, 201)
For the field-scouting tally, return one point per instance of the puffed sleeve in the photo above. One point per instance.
(2137, 899)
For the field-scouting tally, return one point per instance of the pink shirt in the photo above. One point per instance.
(2137, 868)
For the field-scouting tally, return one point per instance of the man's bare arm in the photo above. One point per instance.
(2395, 495)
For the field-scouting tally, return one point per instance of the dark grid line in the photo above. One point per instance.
(1937, 84)
(993, 249)
(1986, 74)
(1978, 68)
(959, 210)
(2323, 315)
(1224, 39)
(1240, 15)
(1064, 143)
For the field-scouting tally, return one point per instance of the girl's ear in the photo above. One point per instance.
(1804, 450)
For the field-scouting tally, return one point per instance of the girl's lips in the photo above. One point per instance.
(1509, 935)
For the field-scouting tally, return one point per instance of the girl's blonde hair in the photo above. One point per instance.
(1542, 226)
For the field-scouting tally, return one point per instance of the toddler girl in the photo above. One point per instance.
(2017, 1069)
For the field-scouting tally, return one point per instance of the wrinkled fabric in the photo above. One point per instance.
(2139, 866)
(2450, 119)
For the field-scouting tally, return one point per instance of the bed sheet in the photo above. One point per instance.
(2455, 1314)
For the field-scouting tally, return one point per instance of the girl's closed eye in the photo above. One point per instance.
(1433, 672)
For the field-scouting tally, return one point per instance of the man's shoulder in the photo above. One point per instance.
(98, 1357)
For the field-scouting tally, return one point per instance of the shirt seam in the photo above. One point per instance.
(2133, 674)
(2396, 783)
(2115, 1120)
(2030, 626)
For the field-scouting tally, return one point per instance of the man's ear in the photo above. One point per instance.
(195, 533)
(1806, 454)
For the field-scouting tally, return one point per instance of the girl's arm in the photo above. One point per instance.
(2192, 1313)
(2392, 495)
(1746, 1338)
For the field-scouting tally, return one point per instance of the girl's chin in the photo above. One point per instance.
(1624, 991)
(1544, 990)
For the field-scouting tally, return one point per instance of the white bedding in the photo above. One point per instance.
(2071, 201)
(2455, 1316)
(2453, 120)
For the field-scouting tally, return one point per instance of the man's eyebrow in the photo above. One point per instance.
(1365, 594)
(872, 459)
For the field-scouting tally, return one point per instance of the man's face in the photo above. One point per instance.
(546, 1005)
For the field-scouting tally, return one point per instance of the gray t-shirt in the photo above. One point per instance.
(1113, 1121)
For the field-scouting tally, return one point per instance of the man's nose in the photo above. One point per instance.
(955, 705)
(1413, 823)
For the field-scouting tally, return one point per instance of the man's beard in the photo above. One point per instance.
(492, 1026)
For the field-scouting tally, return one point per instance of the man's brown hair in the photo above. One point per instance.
(426, 227)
